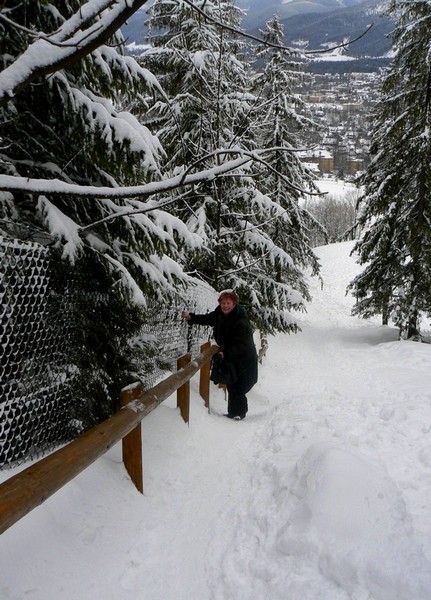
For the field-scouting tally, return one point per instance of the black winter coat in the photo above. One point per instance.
(234, 335)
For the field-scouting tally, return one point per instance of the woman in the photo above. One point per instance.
(234, 336)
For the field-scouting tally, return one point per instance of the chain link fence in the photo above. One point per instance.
(37, 374)
(34, 378)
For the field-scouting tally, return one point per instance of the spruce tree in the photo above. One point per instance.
(280, 117)
(210, 110)
(395, 208)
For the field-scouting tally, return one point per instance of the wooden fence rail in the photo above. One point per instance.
(31, 487)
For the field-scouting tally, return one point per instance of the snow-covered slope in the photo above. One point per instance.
(322, 493)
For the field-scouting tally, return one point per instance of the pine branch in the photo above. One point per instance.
(35, 62)
(248, 265)
(131, 212)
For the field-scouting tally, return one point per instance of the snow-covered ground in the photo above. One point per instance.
(337, 188)
(322, 493)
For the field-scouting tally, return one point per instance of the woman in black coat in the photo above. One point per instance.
(234, 336)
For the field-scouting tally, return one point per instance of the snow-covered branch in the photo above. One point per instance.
(55, 187)
(94, 23)
(130, 212)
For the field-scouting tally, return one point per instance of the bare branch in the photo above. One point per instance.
(238, 31)
(255, 156)
(343, 45)
(253, 227)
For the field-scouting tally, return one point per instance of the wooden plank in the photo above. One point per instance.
(132, 442)
(183, 393)
(204, 378)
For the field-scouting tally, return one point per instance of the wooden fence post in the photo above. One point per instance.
(204, 378)
(183, 392)
(132, 442)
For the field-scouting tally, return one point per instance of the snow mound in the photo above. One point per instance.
(332, 527)
(351, 515)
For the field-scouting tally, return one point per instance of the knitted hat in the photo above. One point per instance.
(228, 294)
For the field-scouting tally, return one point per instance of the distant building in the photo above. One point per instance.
(354, 165)
(349, 107)
(321, 158)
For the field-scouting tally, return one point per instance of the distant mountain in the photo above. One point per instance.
(310, 24)
(258, 12)
(318, 31)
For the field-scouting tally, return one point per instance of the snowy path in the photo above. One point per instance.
(338, 503)
(322, 493)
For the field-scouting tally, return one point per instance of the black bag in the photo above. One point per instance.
(222, 371)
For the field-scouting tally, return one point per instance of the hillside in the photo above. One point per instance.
(314, 25)
(258, 12)
(320, 30)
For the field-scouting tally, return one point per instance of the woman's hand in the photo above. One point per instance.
(186, 315)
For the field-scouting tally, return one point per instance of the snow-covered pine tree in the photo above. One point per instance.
(280, 116)
(195, 62)
(210, 108)
(71, 126)
(395, 208)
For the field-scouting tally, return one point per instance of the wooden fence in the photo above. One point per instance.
(31, 487)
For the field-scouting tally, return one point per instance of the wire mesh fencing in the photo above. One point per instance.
(38, 343)
(174, 336)
(34, 377)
